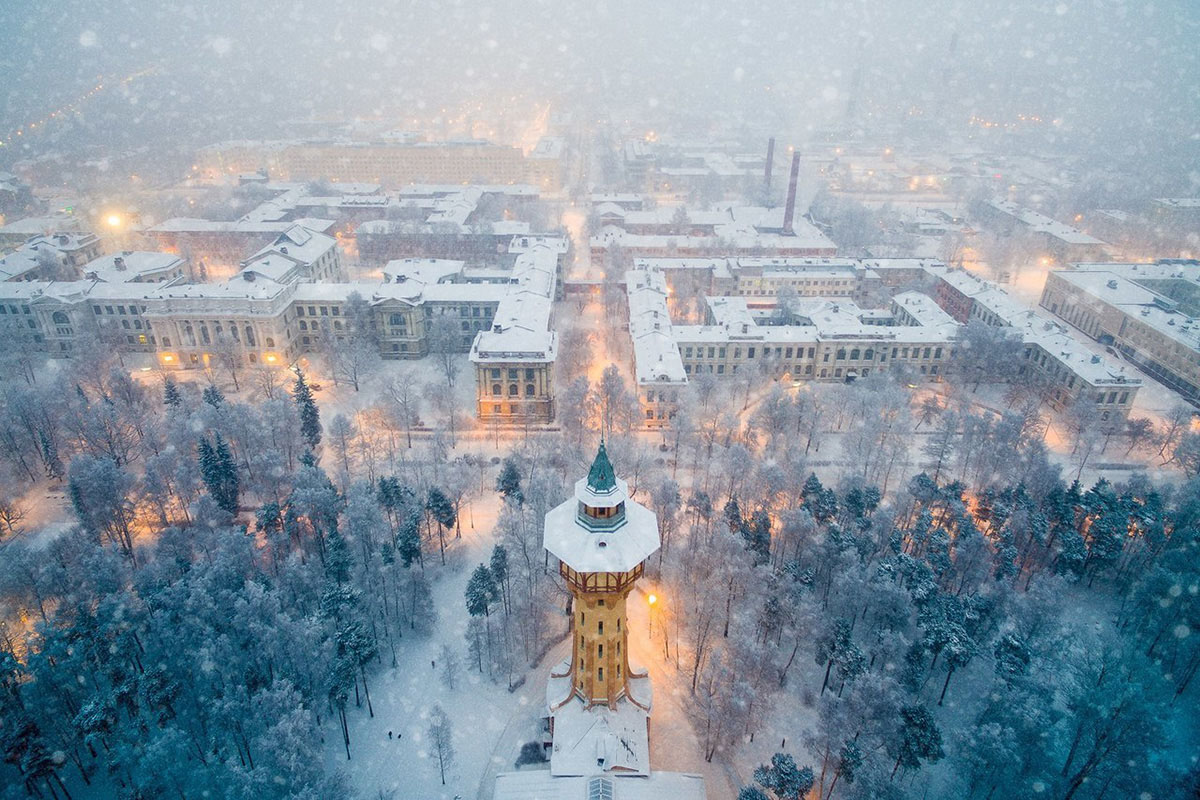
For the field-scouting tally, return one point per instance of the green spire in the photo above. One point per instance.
(601, 477)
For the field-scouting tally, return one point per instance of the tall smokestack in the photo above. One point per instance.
(790, 209)
(769, 169)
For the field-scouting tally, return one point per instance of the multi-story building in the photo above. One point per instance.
(298, 254)
(50, 257)
(131, 266)
(1072, 372)
(502, 317)
(833, 339)
(514, 358)
(736, 230)
(212, 243)
(19, 231)
(1149, 312)
(1062, 243)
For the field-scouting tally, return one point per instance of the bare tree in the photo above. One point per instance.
(441, 740)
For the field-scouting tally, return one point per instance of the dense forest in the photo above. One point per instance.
(238, 574)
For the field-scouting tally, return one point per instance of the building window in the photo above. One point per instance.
(512, 390)
(529, 390)
(496, 389)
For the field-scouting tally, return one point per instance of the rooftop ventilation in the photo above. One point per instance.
(1112, 284)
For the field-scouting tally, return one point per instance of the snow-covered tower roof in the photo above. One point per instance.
(601, 529)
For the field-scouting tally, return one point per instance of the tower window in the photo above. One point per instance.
(599, 673)
(599, 651)
(601, 602)
(618, 623)
(600, 626)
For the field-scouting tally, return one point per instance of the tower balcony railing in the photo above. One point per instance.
(600, 581)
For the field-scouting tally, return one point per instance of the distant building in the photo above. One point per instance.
(50, 257)
(131, 266)
(222, 243)
(1061, 242)
(1148, 312)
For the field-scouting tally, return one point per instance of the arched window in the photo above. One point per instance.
(869, 355)
(496, 389)
(204, 334)
(529, 390)
(60, 318)
(190, 334)
(841, 354)
(254, 358)
(512, 390)
(250, 336)
(270, 342)
(854, 354)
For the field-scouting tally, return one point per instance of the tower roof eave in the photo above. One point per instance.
(584, 550)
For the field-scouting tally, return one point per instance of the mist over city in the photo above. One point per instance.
(600, 401)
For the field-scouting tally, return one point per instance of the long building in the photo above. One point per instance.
(275, 310)
(1148, 312)
(830, 339)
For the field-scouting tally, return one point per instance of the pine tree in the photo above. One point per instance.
(219, 473)
(785, 780)
(733, 516)
(408, 541)
(230, 482)
(171, 396)
(310, 415)
(439, 505)
(50, 460)
(919, 738)
(508, 483)
(499, 568)
(481, 591)
(212, 395)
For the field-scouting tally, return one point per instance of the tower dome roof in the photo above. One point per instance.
(602, 478)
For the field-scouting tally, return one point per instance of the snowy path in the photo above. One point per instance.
(489, 722)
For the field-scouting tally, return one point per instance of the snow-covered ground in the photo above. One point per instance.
(489, 722)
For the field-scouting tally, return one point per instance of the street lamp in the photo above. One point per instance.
(114, 220)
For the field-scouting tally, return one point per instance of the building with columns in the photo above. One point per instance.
(599, 699)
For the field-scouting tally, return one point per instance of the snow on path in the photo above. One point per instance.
(674, 745)
(489, 723)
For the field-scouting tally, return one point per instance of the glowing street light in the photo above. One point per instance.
(114, 220)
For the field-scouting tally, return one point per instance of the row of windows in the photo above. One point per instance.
(513, 374)
(842, 354)
(513, 390)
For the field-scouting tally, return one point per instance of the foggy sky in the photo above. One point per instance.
(1128, 69)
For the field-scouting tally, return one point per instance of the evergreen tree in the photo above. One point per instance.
(508, 483)
(499, 569)
(918, 738)
(219, 473)
(783, 778)
(481, 591)
(50, 460)
(171, 395)
(310, 415)
(733, 516)
(213, 396)
(408, 541)
(439, 505)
